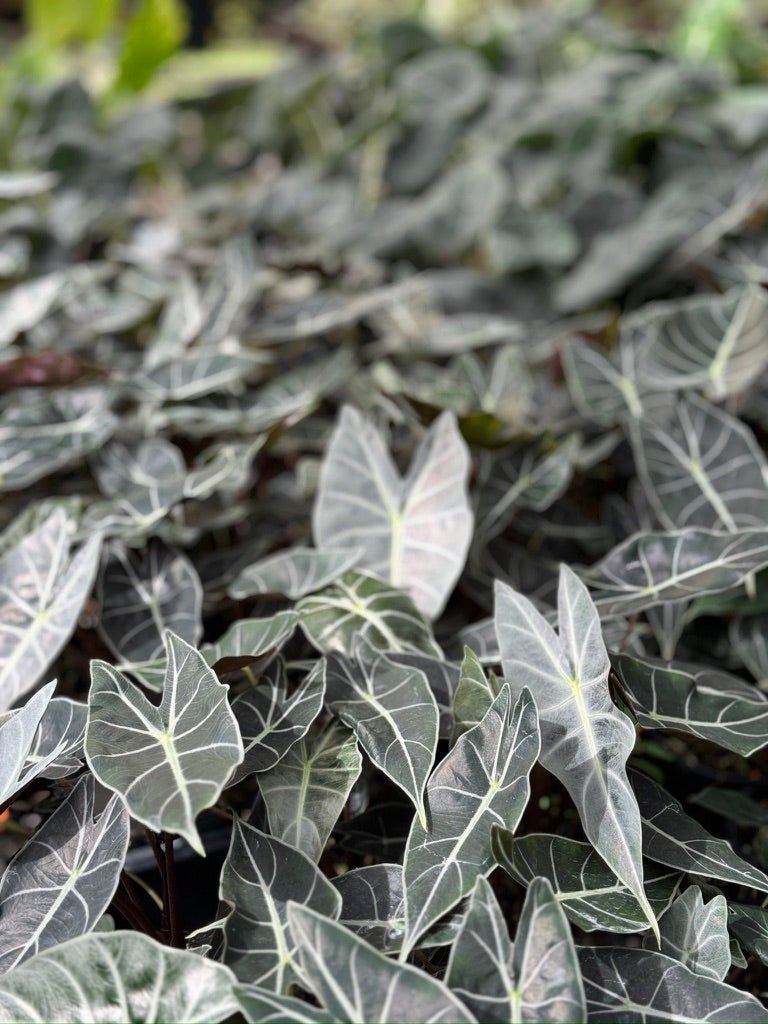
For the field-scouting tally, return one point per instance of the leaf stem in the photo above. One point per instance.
(170, 897)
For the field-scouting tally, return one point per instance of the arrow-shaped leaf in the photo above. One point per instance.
(295, 573)
(359, 985)
(260, 875)
(586, 740)
(482, 781)
(42, 591)
(171, 761)
(413, 532)
(393, 713)
(306, 790)
(63, 879)
(537, 979)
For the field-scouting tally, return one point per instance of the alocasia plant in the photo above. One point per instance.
(384, 540)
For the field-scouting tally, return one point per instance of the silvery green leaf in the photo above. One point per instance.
(18, 730)
(259, 876)
(306, 790)
(247, 640)
(270, 721)
(295, 573)
(482, 781)
(702, 467)
(605, 390)
(673, 838)
(42, 589)
(474, 694)
(40, 434)
(21, 184)
(180, 323)
(655, 568)
(26, 304)
(697, 934)
(357, 984)
(586, 888)
(373, 904)
(414, 532)
(668, 622)
(537, 979)
(443, 678)
(195, 374)
(141, 484)
(260, 1006)
(481, 638)
(704, 701)
(749, 639)
(361, 605)
(750, 926)
(60, 735)
(173, 760)
(117, 976)
(448, 83)
(526, 478)
(393, 713)
(737, 956)
(717, 343)
(225, 466)
(141, 594)
(59, 884)
(585, 739)
(624, 986)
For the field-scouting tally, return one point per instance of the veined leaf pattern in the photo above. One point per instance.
(414, 532)
(586, 740)
(696, 933)
(393, 713)
(482, 781)
(42, 590)
(63, 879)
(295, 573)
(171, 761)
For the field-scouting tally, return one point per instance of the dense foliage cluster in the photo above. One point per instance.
(385, 517)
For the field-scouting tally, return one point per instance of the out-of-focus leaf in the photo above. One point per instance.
(155, 30)
(537, 979)
(414, 532)
(481, 782)
(586, 740)
(260, 1006)
(749, 638)
(63, 879)
(43, 589)
(294, 573)
(247, 640)
(260, 875)
(173, 760)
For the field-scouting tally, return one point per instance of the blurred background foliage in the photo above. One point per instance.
(173, 47)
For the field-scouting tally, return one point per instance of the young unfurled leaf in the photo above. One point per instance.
(393, 713)
(482, 782)
(414, 532)
(586, 740)
(171, 761)
(697, 934)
